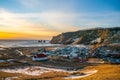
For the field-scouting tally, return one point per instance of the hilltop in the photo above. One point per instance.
(89, 36)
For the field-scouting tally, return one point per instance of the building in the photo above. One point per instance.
(40, 57)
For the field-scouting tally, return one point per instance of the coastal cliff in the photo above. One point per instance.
(90, 36)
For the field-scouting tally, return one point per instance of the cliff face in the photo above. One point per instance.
(91, 36)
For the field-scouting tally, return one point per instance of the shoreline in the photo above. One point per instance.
(22, 44)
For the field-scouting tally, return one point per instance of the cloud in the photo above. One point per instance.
(29, 3)
(44, 24)
(56, 21)
(47, 5)
(50, 23)
(103, 19)
(9, 22)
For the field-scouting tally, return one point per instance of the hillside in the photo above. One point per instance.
(90, 36)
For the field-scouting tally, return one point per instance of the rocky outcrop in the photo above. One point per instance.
(91, 36)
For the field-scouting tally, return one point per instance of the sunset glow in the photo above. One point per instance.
(42, 19)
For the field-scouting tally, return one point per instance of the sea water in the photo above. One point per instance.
(24, 43)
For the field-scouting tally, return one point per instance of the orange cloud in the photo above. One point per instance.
(44, 26)
(12, 27)
(9, 35)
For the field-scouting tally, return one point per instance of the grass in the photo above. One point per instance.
(105, 72)
(49, 75)
(5, 75)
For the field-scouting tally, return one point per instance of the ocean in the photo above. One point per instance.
(24, 43)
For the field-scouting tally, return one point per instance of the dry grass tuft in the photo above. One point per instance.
(105, 72)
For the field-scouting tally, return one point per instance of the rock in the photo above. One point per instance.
(100, 35)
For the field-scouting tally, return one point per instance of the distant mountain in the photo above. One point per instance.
(90, 36)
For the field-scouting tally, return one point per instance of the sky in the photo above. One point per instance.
(42, 19)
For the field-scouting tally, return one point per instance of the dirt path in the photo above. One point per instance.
(88, 73)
